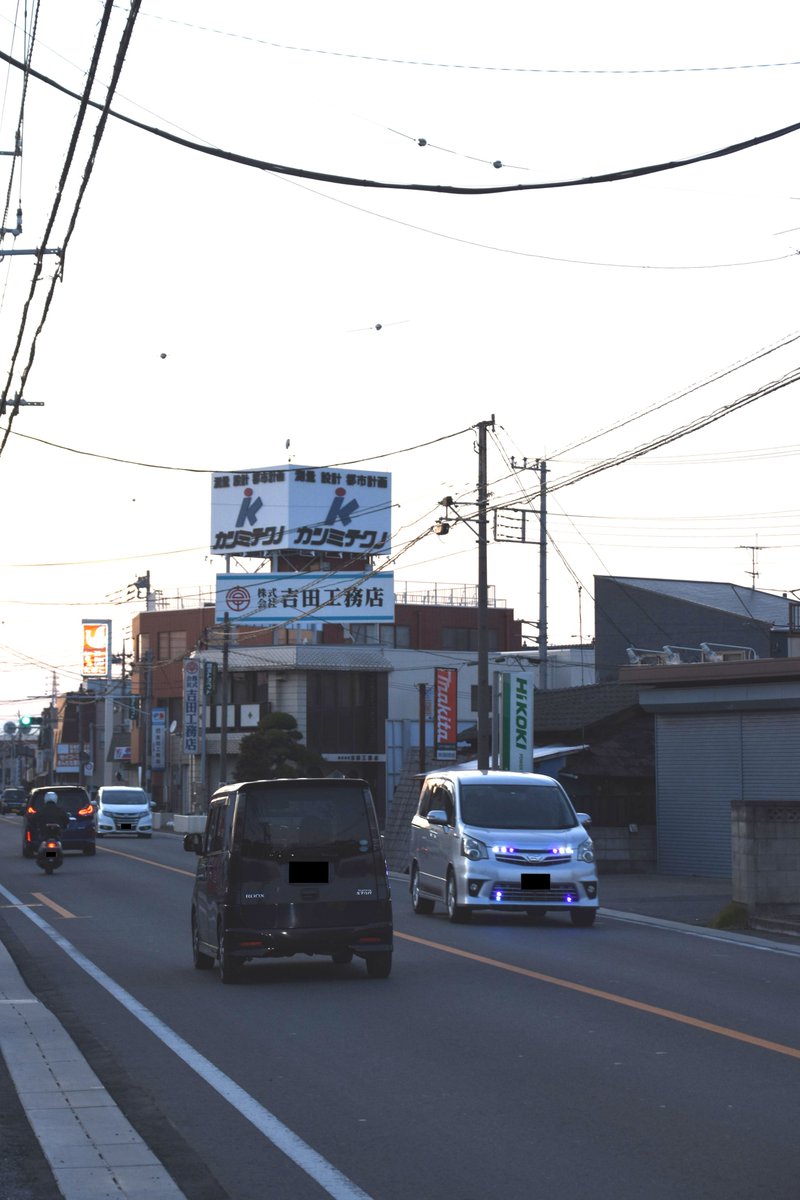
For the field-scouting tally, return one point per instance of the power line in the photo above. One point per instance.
(438, 188)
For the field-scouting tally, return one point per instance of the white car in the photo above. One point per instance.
(503, 841)
(123, 810)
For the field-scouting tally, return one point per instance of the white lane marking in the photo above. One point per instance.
(329, 1178)
(711, 935)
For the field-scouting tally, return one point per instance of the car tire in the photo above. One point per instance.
(583, 918)
(89, 849)
(230, 969)
(202, 962)
(342, 957)
(420, 904)
(27, 851)
(456, 912)
(379, 965)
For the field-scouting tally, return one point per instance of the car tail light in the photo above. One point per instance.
(85, 812)
(31, 810)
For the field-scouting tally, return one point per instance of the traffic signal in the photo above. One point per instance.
(25, 722)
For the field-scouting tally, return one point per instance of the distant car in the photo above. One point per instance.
(13, 800)
(123, 810)
(79, 834)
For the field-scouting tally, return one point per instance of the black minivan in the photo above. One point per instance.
(290, 866)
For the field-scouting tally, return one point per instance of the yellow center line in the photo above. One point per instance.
(62, 912)
(148, 861)
(669, 1014)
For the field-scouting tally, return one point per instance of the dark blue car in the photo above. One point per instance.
(79, 834)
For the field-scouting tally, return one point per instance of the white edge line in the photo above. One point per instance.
(712, 935)
(304, 1156)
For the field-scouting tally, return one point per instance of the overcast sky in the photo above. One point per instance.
(209, 311)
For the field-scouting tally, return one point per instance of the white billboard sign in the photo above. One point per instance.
(158, 739)
(324, 510)
(283, 597)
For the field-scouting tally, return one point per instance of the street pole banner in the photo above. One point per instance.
(516, 721)
(191, 706)
(158, 739)
(285, 597)
(445, 688)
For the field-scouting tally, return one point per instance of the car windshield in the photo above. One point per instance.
(118, 796)
(304, 820)
(516, 806)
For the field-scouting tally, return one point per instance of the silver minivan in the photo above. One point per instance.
(504, 841)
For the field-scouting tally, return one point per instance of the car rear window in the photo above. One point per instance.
(70, 799)
(331, 822)
(516, 806)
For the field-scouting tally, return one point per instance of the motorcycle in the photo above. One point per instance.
(50, 854)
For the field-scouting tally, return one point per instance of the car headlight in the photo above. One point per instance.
(473, 849)
(586, 851)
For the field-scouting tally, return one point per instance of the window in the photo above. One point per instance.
(466, 638)
(171, 645)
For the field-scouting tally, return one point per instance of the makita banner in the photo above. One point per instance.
(445, 718)
(515, 720)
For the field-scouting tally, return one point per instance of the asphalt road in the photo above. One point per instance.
(499, 1059)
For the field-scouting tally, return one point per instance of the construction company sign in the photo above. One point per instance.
(283, 598)
(445, 685)
(256, 513)
(191, 706)
(515, 720)
(96, 649)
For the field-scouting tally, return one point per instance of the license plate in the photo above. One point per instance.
(128, 826)
(533, 883)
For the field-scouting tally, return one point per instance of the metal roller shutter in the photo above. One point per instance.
(698, 776)
(771, 756)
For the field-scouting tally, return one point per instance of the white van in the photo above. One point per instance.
(123, 810)
(501, 840)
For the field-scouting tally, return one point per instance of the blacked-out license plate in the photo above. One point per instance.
(532, 883)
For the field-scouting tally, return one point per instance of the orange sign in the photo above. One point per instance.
(96, 648)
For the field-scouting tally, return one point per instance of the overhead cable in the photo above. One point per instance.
(438, 188)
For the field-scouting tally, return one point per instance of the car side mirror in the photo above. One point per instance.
(437, 816)
(584, 818)
(193, 842)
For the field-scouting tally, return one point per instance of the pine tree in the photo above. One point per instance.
(275, 751)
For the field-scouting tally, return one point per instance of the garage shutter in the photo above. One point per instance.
(771, 756)
(698, 776)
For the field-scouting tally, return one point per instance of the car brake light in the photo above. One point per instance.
(31, 810)
(85, 812)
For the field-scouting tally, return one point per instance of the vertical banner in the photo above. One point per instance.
(96, 649)
(158, 739)
(191, 706)
(516, 721)
(445, 685)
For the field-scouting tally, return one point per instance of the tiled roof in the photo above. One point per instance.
(574, 708)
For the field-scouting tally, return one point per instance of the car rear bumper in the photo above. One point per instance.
(281, 943)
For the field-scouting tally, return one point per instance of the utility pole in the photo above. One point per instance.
(421, 690)
(223, 727)
(484, 702)
(542, 466)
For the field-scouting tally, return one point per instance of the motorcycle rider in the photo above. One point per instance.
(51, 813)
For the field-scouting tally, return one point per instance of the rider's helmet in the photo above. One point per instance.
(50, 798)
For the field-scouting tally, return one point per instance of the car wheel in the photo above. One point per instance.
(342, 956)
(455, 911)
(202, 962)
(419, 903)
(379, 965)
(89, 849)
(27, 851)
(230, 969)
(583, 918)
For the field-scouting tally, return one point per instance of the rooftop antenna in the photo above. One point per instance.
(753, 572)
(288, 444)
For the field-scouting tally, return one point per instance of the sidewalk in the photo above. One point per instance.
(690, 899)
(63, 1135)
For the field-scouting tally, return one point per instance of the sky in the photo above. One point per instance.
(214, 316)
